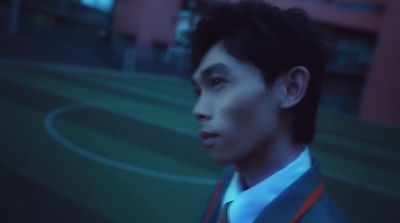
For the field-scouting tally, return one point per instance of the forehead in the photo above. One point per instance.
(218, 59)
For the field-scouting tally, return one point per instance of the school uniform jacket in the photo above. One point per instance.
(305, 201)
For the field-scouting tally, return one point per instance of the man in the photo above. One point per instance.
(258, 74)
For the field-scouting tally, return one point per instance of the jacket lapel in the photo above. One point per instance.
(212, 212)
(286, 205)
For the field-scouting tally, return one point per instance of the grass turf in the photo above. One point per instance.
(157, 112)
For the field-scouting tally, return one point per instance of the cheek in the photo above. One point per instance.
(245, 113)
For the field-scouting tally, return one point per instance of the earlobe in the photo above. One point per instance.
(295, 84)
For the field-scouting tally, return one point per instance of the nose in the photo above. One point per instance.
(202, 109)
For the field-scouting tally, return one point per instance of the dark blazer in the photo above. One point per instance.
(305, 200)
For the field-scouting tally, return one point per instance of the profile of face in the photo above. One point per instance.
(238, 113)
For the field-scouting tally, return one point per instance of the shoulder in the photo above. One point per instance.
(325, 210)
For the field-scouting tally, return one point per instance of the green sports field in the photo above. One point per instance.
(85, 145)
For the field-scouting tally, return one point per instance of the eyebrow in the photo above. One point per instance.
(206, 73)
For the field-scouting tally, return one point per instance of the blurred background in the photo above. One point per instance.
(96, 105)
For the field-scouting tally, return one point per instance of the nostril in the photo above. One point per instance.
(202, 110)
(196, 114)
(200, 117)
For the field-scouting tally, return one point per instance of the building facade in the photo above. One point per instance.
(362, 71)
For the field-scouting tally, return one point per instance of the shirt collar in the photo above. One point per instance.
(262, 194)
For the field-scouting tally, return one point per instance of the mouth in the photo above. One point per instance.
(209, 139)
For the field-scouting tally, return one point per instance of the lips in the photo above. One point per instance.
(209, 139)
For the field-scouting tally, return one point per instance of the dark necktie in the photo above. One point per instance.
(224, 214)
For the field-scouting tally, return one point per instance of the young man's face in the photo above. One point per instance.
(238, 113)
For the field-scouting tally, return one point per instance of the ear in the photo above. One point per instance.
(295, 84)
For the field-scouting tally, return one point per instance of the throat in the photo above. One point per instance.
(260, 167)
(243, 183)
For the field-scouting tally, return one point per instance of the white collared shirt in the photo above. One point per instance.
(248, 204)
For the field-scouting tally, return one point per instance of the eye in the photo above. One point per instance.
(197, 91)
(215, 81)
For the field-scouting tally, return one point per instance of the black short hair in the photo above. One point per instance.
(272, 39)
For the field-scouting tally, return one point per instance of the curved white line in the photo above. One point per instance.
(333, 175)
(48, 124)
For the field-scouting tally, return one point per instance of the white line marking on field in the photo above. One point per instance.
(48, 123)
(106, 106)
(330, 174)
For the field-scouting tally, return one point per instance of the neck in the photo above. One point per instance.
(267, 162)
